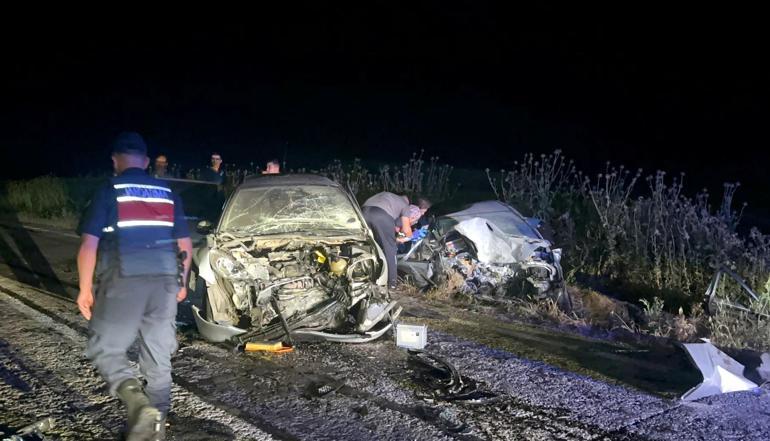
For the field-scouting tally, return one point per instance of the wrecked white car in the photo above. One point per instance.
(490, 245)
(291, 256)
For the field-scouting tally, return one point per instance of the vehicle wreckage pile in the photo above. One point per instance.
(291, 257)
(490, 246)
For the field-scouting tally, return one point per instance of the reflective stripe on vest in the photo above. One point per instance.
(142, 205)
(143, 227)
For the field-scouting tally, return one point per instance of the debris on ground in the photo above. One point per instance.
(411, 336)
(442, 381)
(277, 347)
(32, 432)
(721, 373)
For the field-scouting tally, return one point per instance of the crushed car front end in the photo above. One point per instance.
(293, 255)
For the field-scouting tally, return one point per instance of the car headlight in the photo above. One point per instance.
(226, 266)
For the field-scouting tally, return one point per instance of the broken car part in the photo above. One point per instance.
(721, 373)
(488, 245)
(440, 380)
(716, 300)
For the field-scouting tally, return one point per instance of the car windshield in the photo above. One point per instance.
(307, 209)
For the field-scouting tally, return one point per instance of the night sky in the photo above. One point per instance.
(476, 84)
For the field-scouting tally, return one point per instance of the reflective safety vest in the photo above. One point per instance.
(141, 236)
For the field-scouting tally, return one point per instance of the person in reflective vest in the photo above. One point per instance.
(132, 237)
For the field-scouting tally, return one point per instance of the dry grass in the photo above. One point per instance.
(642, 235)
(547, 310)
(449, 289)
(413, 177)
(744, 329)
(599, 310)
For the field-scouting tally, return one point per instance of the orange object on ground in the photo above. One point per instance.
(276, 347)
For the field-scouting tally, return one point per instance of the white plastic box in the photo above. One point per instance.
(411, 336)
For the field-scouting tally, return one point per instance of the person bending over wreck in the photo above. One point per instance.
(382, 213)
(415, 217)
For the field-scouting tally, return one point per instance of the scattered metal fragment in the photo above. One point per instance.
(721, 373)
(443, 381)
(316, 389)
(716, 300)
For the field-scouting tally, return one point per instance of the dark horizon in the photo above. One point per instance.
(476, 85)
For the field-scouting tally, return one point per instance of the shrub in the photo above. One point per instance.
(46, 197)
(650, 241)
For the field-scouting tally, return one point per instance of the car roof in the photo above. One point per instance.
(279, 180)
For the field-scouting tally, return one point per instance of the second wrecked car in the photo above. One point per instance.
(488, 244)
(291, 255)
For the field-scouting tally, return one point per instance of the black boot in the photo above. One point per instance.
(144, 421)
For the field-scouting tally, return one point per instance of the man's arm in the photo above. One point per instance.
(184, 244)
(86, 265)
(406, 227)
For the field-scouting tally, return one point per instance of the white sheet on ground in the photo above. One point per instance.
(721, 373)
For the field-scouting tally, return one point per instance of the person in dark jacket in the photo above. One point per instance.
(132, 237)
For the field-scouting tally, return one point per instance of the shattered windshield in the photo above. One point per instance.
(308, 209)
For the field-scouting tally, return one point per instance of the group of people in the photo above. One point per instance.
(215, 172)
(136, 245)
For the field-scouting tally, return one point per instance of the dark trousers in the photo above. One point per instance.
(125, 308)
(383, 227)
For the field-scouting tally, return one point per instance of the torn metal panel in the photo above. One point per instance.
(721, 373)
(214, 332)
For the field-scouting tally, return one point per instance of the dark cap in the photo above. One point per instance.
(129, 142)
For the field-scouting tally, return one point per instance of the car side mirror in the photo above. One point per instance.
(204, 227)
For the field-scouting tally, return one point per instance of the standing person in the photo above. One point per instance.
(215, 173)
(130, 238)
(273, 167)
(382, 212)
(160, 170)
